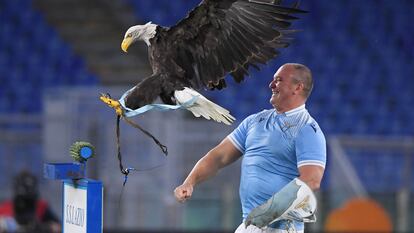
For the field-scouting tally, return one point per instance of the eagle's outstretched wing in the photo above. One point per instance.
(229, 36)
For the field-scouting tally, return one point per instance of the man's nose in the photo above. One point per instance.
(272, 84)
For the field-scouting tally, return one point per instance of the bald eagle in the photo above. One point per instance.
(218, 37)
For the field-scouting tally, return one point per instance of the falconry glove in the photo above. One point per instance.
(295, 201)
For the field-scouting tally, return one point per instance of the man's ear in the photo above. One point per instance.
(299, 88)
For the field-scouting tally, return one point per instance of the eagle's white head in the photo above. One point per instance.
(139, 32)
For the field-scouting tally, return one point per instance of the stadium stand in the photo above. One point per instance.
(33, 57)
(362, 92)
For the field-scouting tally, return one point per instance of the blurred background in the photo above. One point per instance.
(56, 56)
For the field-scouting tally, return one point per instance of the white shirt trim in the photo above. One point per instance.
(235, 144)
(311, 162)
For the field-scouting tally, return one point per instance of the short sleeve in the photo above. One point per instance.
(239, 135)
(311, 146)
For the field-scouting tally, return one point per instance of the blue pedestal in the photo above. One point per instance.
(82, 206)
(63, 171)
(81, 199)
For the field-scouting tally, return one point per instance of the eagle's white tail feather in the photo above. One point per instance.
(203, 107)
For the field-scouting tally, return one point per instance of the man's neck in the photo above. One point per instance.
(290, 108)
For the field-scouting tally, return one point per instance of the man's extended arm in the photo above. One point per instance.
(222, 155)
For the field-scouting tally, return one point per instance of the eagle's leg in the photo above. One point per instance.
(106, 98)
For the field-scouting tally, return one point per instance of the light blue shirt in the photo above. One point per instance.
(274, 146)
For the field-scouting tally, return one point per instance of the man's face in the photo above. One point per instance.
(283, 87)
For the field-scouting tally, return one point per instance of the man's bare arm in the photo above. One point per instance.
(222, 155)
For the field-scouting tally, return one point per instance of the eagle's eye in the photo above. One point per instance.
(129, 35)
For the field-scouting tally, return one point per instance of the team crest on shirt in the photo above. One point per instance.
(287, 125)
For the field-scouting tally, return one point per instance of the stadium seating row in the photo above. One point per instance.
(32, 58)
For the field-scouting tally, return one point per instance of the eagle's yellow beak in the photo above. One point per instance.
(126, 43)
(112, 103)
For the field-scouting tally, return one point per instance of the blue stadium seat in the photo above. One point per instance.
(25, 58)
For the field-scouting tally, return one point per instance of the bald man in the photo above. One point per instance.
(283, 153)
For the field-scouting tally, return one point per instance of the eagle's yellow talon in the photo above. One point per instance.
(113, 104)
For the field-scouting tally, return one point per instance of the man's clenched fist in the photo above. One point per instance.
(183, 192)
